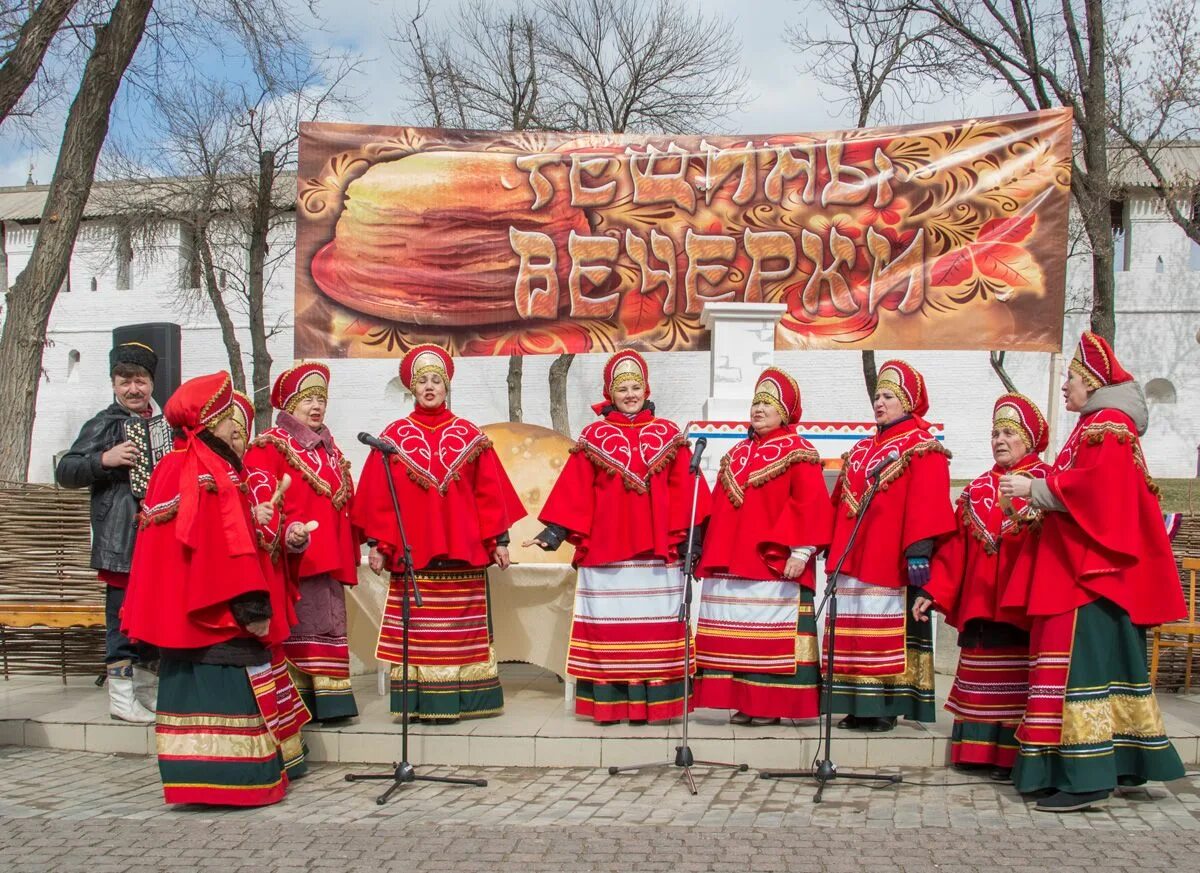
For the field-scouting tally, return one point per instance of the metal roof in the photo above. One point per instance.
(26, 202)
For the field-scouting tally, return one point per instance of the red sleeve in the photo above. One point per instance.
(572, 500)
(681, 486)
(928, 513)
(947, 570)
(371, 511)
(1102, 492)
(806, 520)
(496, 502)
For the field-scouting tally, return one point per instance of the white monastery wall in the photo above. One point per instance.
(1158, 338)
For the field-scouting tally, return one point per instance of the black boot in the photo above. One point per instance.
(1066, 801)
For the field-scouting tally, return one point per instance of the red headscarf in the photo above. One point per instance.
(1022, 414)
(423, 359)
(306, 379)
(1096, 362)
(903, 380)
(624, 366)
(197, 404)
(781, 391)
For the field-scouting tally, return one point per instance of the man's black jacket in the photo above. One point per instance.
(114, 508)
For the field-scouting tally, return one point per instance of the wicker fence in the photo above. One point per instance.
(45, 549)
(1172, 661)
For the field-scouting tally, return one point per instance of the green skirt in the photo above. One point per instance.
(1092, 721)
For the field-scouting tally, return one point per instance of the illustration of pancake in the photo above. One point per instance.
(425, 239)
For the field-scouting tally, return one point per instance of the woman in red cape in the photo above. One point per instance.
(301, 446)
(458, 505)
(624, 500)
(756, 637)
(204, 591)
(966, 581)
(883, 664)
(1100, 573)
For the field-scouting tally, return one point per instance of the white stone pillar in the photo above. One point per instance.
(743, 344)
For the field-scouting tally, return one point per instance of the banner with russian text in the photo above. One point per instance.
(932, 236)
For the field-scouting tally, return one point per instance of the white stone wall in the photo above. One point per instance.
(1158, 325)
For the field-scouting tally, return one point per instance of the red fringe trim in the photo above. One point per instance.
(339, 498)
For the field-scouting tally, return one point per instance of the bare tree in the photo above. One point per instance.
(881, 59)
(189, 181)
(1131, 88)
(32, 295)
(32, 38)
(115, 35)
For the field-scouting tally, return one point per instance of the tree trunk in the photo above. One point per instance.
(997, 361)
(559, 413)
(870, 373)
(32, 296)
(1095, 212)
(25, 58)
(260, 225)
(516, 369)
(233, 348)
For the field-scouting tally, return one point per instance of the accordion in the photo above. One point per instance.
(152, 437)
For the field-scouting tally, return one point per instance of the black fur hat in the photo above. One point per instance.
(138, 354)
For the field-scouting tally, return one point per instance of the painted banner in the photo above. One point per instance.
(935, 236)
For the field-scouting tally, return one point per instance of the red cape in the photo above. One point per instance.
(772, 498)
(321, 491)
(1110, 542)
(626, 492)
(455, 497)
(912, 503)
(178, 595)
(971, 568)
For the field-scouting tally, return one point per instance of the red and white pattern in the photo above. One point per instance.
(748, 625)
(626, 626)
(870, 630)
(634, 452)
(752, 462)
(990, 685)
(434, 455)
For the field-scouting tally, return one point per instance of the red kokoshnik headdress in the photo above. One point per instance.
(306, 379)
(624, 366)
(903, 380)
(1096, 362)
(781, 391)
(426, 358)
(1022, 415)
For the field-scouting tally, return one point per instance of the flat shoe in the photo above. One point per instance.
(881, 725)
(849, 723)
(1066, 801)
(763, 722)
(740, 718)
(1000, 774)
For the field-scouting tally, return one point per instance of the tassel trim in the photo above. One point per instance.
(422, 478)
(1095, 434)
(319, 485)
(737, 493)
(631, 481)
(892, 472)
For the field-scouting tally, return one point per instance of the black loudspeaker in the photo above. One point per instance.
(166, 340)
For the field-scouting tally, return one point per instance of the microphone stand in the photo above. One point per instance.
(403, 771)
(824, 770)
(684, 759)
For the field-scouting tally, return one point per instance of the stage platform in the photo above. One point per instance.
(536, 730)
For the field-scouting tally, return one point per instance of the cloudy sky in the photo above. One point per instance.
(779, 97)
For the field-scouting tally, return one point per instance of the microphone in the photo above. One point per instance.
(376, 443)
(701, 445)
(890, 457)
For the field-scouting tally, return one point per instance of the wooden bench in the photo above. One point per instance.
(51, 603)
